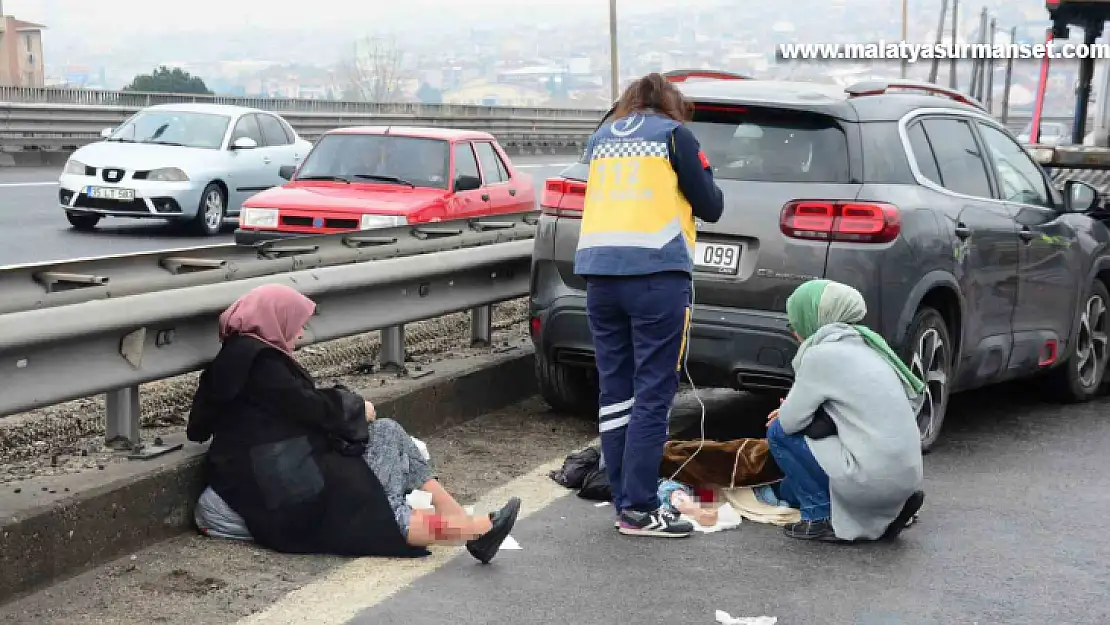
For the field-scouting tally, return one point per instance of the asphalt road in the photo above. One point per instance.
(1010, 534)
(34, 229)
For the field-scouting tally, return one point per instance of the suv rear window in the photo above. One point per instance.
(771, 145)
(767, 145)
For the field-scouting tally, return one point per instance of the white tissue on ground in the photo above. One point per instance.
(726, 619)
(727, 518)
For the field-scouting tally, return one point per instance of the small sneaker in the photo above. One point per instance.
(810, 530)
(660, 523)
(906, 517)
(486, 546)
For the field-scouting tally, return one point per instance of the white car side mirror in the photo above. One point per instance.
(107, 132)
(244, 143)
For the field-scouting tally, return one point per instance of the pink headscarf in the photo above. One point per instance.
(272, 313)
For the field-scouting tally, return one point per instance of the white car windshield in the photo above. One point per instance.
(180, 128)
(387, 159)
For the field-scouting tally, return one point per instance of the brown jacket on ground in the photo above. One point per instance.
(721, 464)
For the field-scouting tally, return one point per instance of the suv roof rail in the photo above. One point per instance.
(878, 87)
(683, 75)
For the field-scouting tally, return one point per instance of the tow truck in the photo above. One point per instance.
(1087, 157)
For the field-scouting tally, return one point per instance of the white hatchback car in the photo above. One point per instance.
(187, 163)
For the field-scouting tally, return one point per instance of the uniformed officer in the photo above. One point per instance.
(648, 180)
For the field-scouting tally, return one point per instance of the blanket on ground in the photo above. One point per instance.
(721, 464)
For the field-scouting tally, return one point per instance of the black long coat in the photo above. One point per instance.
(287, 456)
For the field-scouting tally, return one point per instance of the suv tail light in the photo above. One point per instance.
(563, 198)
(826, 220)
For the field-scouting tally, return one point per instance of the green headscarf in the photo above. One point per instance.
(817, 303)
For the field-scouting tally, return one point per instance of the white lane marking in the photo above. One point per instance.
(29, 184)
(541, 165)
(342, 594)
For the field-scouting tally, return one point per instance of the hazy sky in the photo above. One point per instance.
(124, 16)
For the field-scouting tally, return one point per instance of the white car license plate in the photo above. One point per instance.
(717, 258)
(110, 193)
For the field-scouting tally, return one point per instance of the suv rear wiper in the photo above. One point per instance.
(393, 179)
(331, 178)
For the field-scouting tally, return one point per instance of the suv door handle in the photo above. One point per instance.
(1026, 234)
(512, 192)
(266, 159)
(962, 231)
(485, 197)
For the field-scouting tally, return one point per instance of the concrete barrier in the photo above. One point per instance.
(58, 526)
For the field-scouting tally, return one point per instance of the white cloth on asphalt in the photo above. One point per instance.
(726, 619)
(749, 506)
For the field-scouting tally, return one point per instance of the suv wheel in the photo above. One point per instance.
(1080, 378)
(929, 356)
(566, 389)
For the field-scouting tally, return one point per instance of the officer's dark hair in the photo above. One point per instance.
(656, 93)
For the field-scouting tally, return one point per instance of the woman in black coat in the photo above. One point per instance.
(288, 457)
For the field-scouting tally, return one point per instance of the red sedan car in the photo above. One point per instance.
(380, 176)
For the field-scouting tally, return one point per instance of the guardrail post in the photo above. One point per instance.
(392, 356)
(481, 325)
(121, 419)
(123, 428)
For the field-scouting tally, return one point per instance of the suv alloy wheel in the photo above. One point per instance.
(929, 357)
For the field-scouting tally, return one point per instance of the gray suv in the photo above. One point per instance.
(974, 267)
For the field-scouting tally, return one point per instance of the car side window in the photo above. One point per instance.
(1019, 177)
(272, 130)
(923, 154)
(959, 159)
(491, 165)
(247, 126)
(465, 163)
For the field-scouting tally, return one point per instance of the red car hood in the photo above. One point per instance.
(344, 198)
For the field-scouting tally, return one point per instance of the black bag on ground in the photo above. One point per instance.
(596, 486)
(576, 467)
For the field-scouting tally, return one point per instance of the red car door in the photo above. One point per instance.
(502, 190)
(471, 198)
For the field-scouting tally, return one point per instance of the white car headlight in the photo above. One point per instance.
(167, 174)
(259, 217)
(74, 167)
(373, 222)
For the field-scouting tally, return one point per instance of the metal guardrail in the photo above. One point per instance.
(49, 118)
(61, 283)
(112, 344)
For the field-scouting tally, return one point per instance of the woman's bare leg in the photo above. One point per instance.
(427, 528)
(442, 500)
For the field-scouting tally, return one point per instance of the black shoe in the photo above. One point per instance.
(810, 530)
(660, 523)
(485, 546)
(905, 517)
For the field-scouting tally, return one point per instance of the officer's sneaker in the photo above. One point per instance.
(660, 523)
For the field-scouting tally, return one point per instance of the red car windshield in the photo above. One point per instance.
(386, 159)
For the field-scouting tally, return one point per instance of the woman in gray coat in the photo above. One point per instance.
(860, 478)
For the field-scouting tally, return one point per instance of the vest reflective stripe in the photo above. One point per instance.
(651, 240)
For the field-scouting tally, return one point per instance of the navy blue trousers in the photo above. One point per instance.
(806, 485)
(639, 332)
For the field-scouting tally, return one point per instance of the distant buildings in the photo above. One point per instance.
(21, 53)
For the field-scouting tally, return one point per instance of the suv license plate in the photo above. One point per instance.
(110, 193)
(717, 258)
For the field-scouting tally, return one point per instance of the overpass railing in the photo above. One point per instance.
(64, 119)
